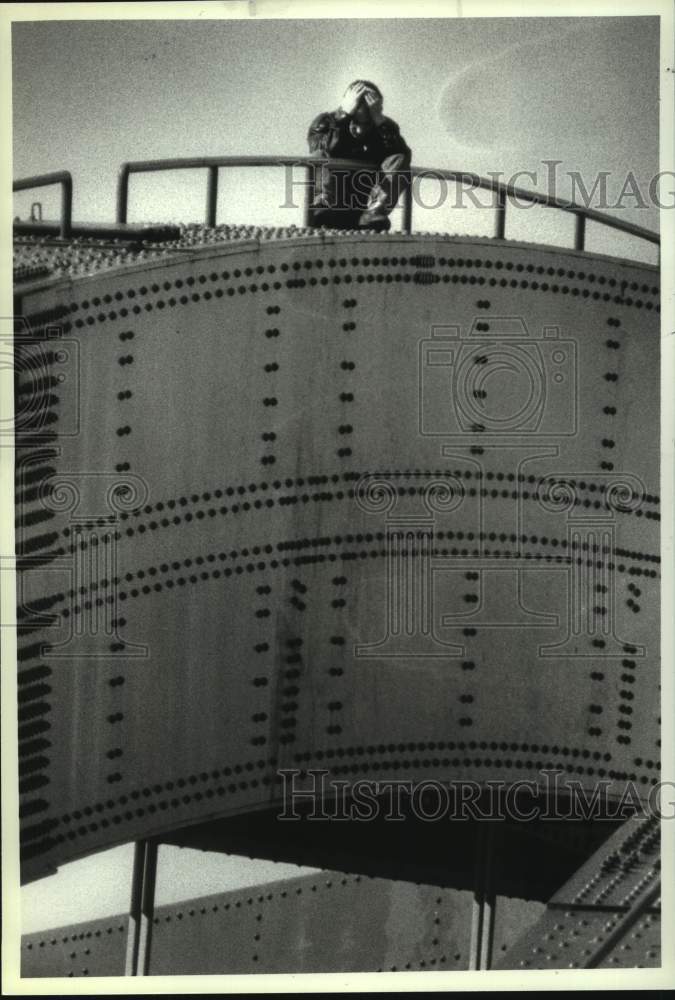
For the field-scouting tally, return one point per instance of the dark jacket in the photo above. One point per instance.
(329, 135)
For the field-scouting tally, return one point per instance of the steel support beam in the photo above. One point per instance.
(639, 908)
(142, 909)
(483, 909)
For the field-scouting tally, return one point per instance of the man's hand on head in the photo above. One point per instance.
(353, 94)
(374, 104)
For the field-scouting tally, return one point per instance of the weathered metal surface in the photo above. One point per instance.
(221, 408)
(338, 922)
(89, 256)
(98, 231)
(330, 922)
(566, 939)
(513, 918)
(93, 948)
(628, 863)
(596, 919)
(327, 923)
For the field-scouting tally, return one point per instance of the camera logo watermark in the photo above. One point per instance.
(409, 540)
(502, 400)
(497, 378)
(75, 570)
(46, 369)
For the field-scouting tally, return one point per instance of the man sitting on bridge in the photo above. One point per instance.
(357, 130)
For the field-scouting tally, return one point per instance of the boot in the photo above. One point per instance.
(376, 217)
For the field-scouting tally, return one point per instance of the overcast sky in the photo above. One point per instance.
(481, 95)
(478, 95)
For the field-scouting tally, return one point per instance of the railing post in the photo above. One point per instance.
(309, 195)
(211, 196)
(66, 206)
(408, 206)
(62, 177)
(122, 193)
(579, 231)
(500, 219)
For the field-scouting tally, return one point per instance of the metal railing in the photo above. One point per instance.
(212, 164)
(65, 228)
(62, 177)
(504, 192)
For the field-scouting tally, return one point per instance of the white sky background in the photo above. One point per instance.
(477, 95)
(480, 95)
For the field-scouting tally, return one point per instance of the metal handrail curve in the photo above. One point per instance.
(212, 164)
(62, 177)
(503, 190)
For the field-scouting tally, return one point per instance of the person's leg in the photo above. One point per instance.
(332, 202)
(393, 179)
(333, 218)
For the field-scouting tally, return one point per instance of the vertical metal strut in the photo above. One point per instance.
(142, 909)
